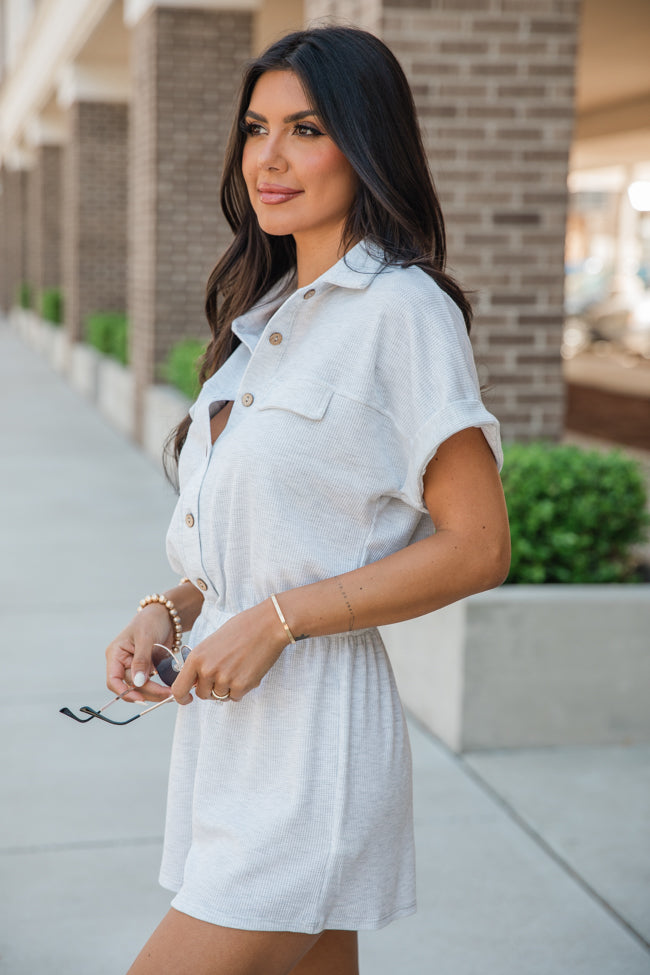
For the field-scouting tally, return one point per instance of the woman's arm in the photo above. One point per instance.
(469, 552)
(130, 652)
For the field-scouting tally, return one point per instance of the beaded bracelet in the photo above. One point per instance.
(292, 639)
(171, 609)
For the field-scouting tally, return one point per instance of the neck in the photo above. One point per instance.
(315, 253)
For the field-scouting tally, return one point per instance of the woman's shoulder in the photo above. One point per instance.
(412, 299)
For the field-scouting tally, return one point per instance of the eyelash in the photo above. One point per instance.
(254, 128)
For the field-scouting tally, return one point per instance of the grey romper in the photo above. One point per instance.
(291, 810)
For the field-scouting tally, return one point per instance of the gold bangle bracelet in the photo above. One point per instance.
(292, 639)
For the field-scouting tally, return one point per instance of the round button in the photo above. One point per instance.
(202, 584)
(309, 294)
(247, 399)
(275, 338)
(189, 520)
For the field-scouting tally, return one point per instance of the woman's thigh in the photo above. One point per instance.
(335, 953)
(183, 945)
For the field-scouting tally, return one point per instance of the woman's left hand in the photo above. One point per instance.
(234, 658)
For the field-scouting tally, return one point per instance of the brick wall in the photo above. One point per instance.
(362, 13)
(186, 68)
(94, 196)
(13, 256)
(43, 221)
(48, 202)
(32, 230)
(493, 84)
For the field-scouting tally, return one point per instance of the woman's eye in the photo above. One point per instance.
(303, 129)
(251, 128)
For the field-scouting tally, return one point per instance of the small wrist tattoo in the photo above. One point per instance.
(347, 603)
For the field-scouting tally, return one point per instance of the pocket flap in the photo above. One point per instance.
(304, 397)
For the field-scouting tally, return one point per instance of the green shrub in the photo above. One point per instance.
(182, 366)
(108, 331)
(24, 295)
(52, 305)
(574, 514)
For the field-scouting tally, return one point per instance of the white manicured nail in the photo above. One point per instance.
(140, 679)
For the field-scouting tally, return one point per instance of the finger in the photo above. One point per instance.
(153, 691)
(208, 683)
(184, 683)
(141, 665)
(118, 671)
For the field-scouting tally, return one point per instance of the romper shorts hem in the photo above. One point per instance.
(296, 925)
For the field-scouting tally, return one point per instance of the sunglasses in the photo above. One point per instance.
(167, 664)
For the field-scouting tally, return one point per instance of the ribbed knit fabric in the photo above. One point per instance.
(291, 810)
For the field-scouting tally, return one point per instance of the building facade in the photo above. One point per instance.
(113, 121)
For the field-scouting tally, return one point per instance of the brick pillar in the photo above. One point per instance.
(12, 235)
(31, 230)
(47, 219)
(6, 284)
(94, 204)
(493, 83)
(186, 67)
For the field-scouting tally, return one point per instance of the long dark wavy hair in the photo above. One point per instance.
(359, 92)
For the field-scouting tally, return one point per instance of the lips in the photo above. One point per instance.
(274, 193)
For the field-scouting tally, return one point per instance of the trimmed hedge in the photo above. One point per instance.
(181, 368)
(108, 332)
(574, 514)
(52, 305)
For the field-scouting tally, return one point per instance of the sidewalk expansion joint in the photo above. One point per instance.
(72, 847)
(551, 852)
(533, 834)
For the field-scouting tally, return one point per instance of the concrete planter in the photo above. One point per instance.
(530, 665)
(50, 341)
(164, 408)
(116, 394)
(84, 369)
(108, 384)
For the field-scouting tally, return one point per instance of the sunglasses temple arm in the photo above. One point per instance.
(118, 698)
(154, 706)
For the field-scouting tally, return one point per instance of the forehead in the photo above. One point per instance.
(276, 89)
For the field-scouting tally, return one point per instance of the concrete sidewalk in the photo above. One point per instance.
(531, 862)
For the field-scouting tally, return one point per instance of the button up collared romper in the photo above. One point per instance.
(291, 809)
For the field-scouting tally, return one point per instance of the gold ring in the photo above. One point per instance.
(220, 697)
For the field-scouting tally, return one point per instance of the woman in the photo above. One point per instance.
(339, 420)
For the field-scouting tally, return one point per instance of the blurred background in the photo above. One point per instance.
(113, 121)
(528, 706)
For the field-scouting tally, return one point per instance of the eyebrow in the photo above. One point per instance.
(295, 117)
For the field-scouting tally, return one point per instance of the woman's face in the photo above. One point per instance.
(298, 181)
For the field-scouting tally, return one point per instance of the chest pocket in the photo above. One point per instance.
(300, 396)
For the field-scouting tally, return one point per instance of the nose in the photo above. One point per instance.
(271, 156)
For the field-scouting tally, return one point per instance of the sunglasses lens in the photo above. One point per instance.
(166, 666)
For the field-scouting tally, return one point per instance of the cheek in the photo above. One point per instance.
(246, 164)
(336, 173)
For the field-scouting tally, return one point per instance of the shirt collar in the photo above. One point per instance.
(249, 326)
(355, 270)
